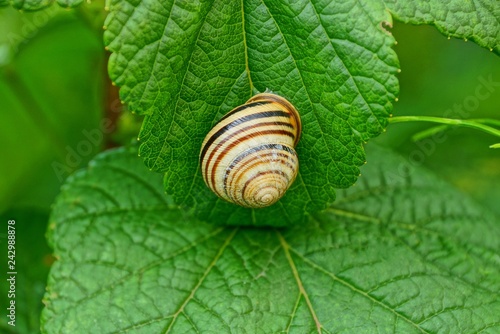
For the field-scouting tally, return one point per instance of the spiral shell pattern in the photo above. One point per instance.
(248, 158)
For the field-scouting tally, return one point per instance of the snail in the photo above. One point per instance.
(248, 158)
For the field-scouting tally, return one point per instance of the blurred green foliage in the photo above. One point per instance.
(52, 73)
(438, 78)
(52, 86)
(33, 260)
(51, 90)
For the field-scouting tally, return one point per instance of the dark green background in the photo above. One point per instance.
(54, 87)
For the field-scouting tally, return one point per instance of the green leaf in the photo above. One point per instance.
(474, 20)
(28, 5)
(35, 5)
(399, 252)
(192, 63)
(69, 3)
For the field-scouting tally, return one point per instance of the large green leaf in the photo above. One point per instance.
(186, 65)
(398, 253)
(194, 62)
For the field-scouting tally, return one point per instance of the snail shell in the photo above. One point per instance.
(248, 158)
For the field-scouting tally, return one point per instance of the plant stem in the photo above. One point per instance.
(471, 123)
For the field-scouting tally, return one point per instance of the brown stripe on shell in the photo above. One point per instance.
(252, 135)
(273, 126)
(256, 160)
(205, 164)
(243, 107)
(274, 171)
(230, 190)
(284, 104)
(222, 154)
(236, 123)
(289, 160)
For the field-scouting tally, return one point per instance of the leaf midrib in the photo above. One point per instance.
(360, 292)
(202, 279)
(143, 269)
(303, 292)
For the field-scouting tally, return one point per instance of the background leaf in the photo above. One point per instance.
(474, 20)
(35, 5)
(195, 62)
(396, 253)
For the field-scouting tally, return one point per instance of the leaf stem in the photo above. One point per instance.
(479, 124)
